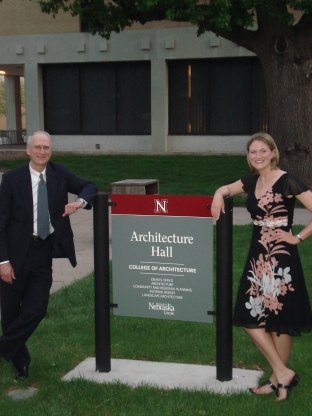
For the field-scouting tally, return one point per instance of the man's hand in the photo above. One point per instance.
(71, 208)
(7, 272)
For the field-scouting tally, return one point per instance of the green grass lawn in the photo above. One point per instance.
(66, 336)
(176, 174)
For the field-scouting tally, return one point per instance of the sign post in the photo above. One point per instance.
(156, 267)
(101, 283)
(224, 272)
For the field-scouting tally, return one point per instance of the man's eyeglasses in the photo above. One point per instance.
(38, 148)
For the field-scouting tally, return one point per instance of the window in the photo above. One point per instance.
(219, 96)
(61, 110)
(97, 98)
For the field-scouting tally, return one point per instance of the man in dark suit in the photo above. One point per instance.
(25, 251)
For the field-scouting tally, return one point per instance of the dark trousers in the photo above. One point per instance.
(24, 303)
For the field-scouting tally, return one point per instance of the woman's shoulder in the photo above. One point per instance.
(292, 185)
(249, 180)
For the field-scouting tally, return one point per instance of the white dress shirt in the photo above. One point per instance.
(35, 178)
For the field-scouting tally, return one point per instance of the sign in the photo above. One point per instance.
(162, 256)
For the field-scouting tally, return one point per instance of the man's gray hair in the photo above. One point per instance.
(30, 137)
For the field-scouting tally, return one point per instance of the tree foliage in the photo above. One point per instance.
(220, 16)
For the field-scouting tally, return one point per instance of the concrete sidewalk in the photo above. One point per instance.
(166, 376)
(157, 374)
(63, 273)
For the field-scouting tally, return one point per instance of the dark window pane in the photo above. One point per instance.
(230, 96)
(178, 97)
(96, 98)
(199, 101)
(216, 96)
(61, 99)
(98, 101)
(134, 98)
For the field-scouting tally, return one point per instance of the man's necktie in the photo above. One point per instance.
(43, 225)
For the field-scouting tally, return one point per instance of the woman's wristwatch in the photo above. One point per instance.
(299, 238)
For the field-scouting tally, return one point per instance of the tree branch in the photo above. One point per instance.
(243, 37)
(275, 14)
(305, 23)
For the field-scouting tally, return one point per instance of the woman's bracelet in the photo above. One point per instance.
(299, 238)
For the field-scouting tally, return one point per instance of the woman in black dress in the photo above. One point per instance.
(272, 302)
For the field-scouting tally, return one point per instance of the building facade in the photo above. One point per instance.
(155, 89)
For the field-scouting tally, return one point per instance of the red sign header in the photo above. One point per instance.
(162, 205)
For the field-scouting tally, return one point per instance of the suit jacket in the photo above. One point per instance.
(16, 211)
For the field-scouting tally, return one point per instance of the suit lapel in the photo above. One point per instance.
(26, 189)
(52, 185)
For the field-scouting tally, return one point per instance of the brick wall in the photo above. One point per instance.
(24, 17)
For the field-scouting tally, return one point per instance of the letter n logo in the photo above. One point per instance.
(160, 206)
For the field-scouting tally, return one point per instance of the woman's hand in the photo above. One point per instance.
(286, 236)
(217, 206)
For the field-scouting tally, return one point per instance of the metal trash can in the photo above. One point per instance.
(136, 186)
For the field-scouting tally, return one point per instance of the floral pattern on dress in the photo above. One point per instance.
(268, 281)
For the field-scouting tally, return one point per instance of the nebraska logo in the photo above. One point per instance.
(160, 206)
(166, 307)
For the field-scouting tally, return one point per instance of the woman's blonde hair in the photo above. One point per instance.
(269, 141)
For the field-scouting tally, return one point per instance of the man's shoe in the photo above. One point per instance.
(21, 372)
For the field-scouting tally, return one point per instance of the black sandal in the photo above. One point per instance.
(266, 383)
(293, 382)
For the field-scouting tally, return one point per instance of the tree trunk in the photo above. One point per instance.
(289, 100)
